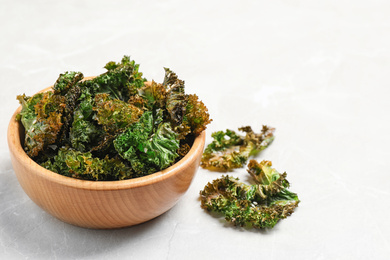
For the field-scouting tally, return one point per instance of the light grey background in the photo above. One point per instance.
(317, 71)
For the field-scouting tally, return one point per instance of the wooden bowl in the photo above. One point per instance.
(102, 204)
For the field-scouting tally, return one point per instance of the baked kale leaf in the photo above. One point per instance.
(260, 205)
(149, 145)
(229, 150)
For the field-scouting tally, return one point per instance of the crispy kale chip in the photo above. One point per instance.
(177, 100)
(41, 117)
(149, 145)
(196, 116)
(47, 116)
(186, 112)
(72, 93)
(80, 165)
(154, 95)
(260, 205)
(121, 81)
(113, 114)
(113, 126)
(230, 150)
(85, 132)
(67, 81)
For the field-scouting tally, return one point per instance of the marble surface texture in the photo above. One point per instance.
(318, 71)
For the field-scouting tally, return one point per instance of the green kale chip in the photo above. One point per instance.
(260, 205)
(230, 150)
(177, 100)
(72, 93)
(154, 95)
(80, 165)
(121, 81)
(186, 112)
(85, 132)
(67, 81)
(47, 116)
(149, 145)
(41, 116)
(113, 114)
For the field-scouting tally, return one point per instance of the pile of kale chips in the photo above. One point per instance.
(263, 201)
(112, 127)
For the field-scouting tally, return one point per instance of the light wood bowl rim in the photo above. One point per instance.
(20, 155)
